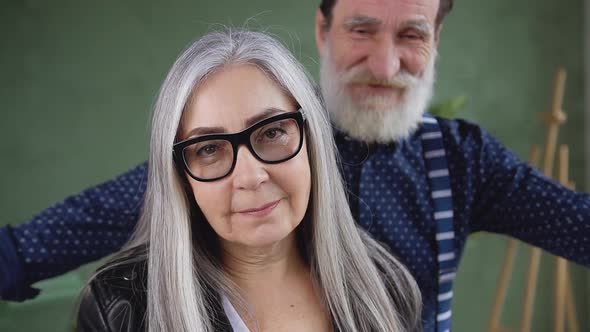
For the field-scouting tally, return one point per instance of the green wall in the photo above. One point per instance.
(77, 79)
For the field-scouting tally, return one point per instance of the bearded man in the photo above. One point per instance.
(419, 184)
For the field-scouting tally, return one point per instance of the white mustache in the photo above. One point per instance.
(359, 75)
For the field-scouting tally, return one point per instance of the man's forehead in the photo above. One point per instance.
(386, 11)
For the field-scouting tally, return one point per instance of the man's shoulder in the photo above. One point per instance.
(461, 133)
(458, 126)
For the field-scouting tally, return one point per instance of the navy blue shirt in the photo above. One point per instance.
(390, 196)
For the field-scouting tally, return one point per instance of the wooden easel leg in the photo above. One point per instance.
(505, 275)
(554, 118)
(530, 291)
(533, 267)
(570, 307)
(560, 294)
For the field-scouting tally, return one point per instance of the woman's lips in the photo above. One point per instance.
(261, 211)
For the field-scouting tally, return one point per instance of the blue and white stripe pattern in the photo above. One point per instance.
(442, 198)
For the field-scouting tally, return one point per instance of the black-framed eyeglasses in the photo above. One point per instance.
(212, 157)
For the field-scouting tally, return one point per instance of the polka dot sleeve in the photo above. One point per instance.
(508, 196)
(81, 229)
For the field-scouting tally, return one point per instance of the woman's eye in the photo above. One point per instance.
(207, 150)
(272, 133)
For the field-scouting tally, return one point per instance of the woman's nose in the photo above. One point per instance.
(249, 172)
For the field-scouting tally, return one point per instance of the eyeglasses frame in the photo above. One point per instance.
(237, 139)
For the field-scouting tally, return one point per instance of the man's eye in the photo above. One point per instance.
(361, 32)
(412, 36)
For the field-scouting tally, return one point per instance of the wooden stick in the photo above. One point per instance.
(554, 118)
(564, 297)
(494, 323)
(560, 263)
(534, 156)
(531, 285)
(563, 159)
(503, 283)
(570, 307)
(560, 294)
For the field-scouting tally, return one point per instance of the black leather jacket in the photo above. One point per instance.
(115, 300)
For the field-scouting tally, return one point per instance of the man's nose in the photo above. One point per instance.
(384, 60)
(249, 172)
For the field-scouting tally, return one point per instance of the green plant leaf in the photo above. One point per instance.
(448, 109)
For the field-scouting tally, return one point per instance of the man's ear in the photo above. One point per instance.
(437, 34)
(321, 29)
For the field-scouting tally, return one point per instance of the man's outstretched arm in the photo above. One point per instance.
(504, 195)
(81, 229)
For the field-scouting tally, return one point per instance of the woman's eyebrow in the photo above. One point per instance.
(200, 131)
(267, 113)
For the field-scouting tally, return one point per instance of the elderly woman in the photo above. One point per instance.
(246, 225)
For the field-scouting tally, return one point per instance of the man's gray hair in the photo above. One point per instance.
(444, 8)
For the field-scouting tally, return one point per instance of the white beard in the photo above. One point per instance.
(374, 118)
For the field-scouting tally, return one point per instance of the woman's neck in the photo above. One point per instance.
(272, 265)
(277, 287)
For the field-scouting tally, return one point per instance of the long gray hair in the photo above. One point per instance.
(360, 283)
